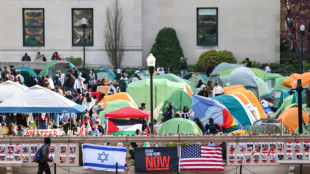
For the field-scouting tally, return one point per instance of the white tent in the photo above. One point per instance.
(9, 88)
(39, 100)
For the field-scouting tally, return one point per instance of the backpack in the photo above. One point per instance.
(38, 155)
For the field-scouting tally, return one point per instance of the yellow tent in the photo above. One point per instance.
(289, 118)
(118, 96)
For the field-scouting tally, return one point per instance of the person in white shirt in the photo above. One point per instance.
(88, 102)
(78, 84)
(186, 113)
(19, 75)
(217, 90)
(159, 124)
(50, 82)
(267, 68)
(135, 78)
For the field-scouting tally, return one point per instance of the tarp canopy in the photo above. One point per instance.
(205, 108)
(240, 79)
(128, 112)
(117, 96)
(162, 89)
(39, 100)
(291, 81)
(250, 71)
(51, 67)
(194, 77)
(9, 88)
(263, 89)
(114, 105)
(179, 126)
(105, 73)
(236, 108)
(26, 72)
(289, 118)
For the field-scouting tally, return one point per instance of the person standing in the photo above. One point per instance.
(39, 57)
(69, 82)
(43, 165)
(43, 58)
(78, 85)
(54, 57)
(267, 68)
(92, 80)
(85, 75)
(142, 107)
(248, 62)
(4, 72)
(183, 66)
(217, 90)
(13, 71)
(26, 58)
(169, 113)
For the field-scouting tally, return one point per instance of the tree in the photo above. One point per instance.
(113, 34)
(167, 49)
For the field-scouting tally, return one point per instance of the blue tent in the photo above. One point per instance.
(105, 73)
(285, 93)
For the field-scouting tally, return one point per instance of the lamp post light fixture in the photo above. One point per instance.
(84, 23)
(302, 32)
(151, 64)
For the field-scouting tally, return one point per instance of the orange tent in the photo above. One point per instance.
(118, 96)
(229, 88)
(289, 118)
(291, 81)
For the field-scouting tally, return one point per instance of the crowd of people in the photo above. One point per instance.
(41, 57)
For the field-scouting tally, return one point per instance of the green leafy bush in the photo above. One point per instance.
(76, 61)
(210, 59)
(167, 49)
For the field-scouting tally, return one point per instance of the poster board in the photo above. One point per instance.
(103, 89)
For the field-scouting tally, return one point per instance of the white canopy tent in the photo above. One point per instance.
(9, 88)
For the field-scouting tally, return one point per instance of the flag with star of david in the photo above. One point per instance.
(104, 158)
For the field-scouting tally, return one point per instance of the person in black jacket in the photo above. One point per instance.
(211, 127)
(26, 57)
(43, 165)
(199, 124)
(169, 113)
(85, 75)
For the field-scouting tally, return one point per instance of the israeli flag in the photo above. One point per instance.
(99, 157)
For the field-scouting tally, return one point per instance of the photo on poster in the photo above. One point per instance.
(273, 157)
(248, 158)
(17, 148)
(264, 157)
(307, 156)
(240, 158)
(273, 146)
(2, 157)
(33, 148)
(10, 158)
(52, 148)
(17, 157)
(72, 148)
(241, 147)
(62, 158)
(258, 147)
(232, 147)
(25, 158)
(232, 158)
(280, 156)
(289, 156)
(32, 158)
(299, 156)
(52, 156)
(10, 149)
(25, 148)
(297, 147)
(249, 147)
(2, 148)
(63, 148)
(265, 147)
(256, 157)
(289, 147)
(306, 146)
(280, 146)
(71, 159)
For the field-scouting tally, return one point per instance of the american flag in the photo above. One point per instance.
(199, 157)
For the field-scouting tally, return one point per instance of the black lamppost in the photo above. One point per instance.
(302, 32)
(84, 23)
(151, 64)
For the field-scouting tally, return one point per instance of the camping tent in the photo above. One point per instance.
(205, 108)
(39, 100)
(117, 96)
(263, 89)
(278, 84)
(236, 108)
(9, 88)
(240, 79)
(285, 93)
(51, 67)
(105, 73)
(270, 79)
(191, 85)
(290, 120)
(163, 88)
(26, 72)
(194, 77)
(178, 126)
(222, 67)
(128, 112)
(250, 71)
(287, 102)
(291, 81)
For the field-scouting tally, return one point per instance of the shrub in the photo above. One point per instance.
(167, 49)
(210, 59)
(76, 61)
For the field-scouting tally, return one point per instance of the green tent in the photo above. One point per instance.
(178, 126)
(190, 84)
(251, 71)
(112, 106)
(236, 107)
(285, 94)
(162, 89)
(240, 79)
(288, 101)
(272, 76)
(278, 83)
(178, 99)
(263, 89)
(51, 67)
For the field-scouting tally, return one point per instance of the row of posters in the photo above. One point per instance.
(25, 157)
(32, 148)
(269, 146)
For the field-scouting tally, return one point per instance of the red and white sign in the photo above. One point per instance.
(43, 132)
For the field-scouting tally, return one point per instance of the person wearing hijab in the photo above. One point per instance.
(169, 113)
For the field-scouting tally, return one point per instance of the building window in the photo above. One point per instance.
(77, 31)
(207, 26)
(33, 27)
